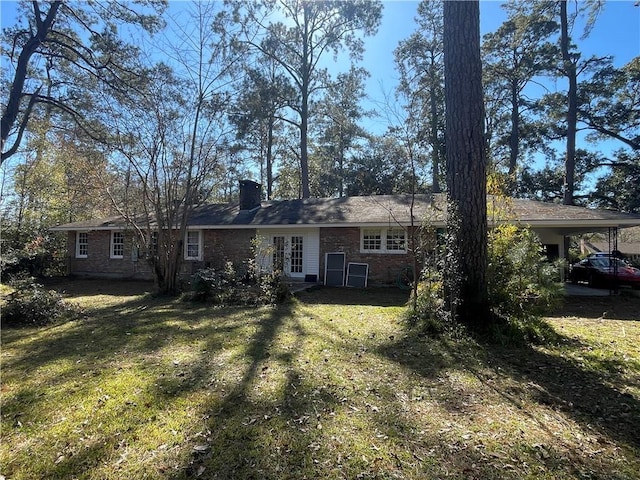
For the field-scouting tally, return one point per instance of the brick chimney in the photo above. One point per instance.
(250, 194)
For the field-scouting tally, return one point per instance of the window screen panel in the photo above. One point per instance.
(357, 274)
(334, 269)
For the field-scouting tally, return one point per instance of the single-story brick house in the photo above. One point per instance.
(369, 232)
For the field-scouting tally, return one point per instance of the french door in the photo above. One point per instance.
(288, 254)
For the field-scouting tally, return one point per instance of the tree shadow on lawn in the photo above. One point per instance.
(578, 392)
(286, 435)
(82, 349)
(246, 432)
(144, 326)
(373, 296)
(255, 434)
(236, 439)
(138, 325)
(547, 379)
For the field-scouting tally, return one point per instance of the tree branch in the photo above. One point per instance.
(12, 110)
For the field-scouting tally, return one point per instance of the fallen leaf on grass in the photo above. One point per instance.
(543, 451)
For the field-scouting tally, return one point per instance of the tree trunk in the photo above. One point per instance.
(304, 153)
(341, 165)
(569, 67)
(305, 78)
(270, 158)
(572, 108)
(465, 274)
(435, 143)
(514, 137)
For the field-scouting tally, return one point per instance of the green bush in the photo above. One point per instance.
(33, 305)
(428, 313)
(522, 283)
(273, 288)
(231, 287)
(41, 257)
(522, 286)
(216, 286)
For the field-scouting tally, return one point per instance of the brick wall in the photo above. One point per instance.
(383, 268)
(219, 246)
(232, 245)
(98, 262)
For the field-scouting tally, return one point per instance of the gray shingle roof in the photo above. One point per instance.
(628, 248)
(316, 211)
(376, 210)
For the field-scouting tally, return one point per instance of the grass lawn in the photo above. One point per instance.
(328, 386)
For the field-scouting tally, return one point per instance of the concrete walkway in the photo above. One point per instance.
(578, 290)
(295, 287)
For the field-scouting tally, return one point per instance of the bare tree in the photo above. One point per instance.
(173, 137)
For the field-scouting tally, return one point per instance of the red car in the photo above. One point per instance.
(605, 271)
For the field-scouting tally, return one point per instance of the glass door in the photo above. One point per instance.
(288, 254)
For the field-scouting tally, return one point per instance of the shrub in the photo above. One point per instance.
(522, 286)
(431, 315)
(9, 262)
(231, 287)
(41, 257)
(215, 286)
(33, 305)
(522, 283)
(273, 288)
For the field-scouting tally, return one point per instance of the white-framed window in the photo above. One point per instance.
(193, 245)
(396, 240)
(117, 244)
(82, 244)
(383, 240)
(371, 239)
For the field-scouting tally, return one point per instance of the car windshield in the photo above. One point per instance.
(607, 262)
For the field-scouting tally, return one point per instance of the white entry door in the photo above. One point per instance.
(288, 254)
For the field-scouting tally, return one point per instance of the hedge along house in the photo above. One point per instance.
(298, 236)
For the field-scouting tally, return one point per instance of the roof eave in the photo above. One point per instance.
(85, 228)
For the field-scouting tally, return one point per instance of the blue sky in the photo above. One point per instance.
(617, 33)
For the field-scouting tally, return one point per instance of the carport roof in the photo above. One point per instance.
(382, 210)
